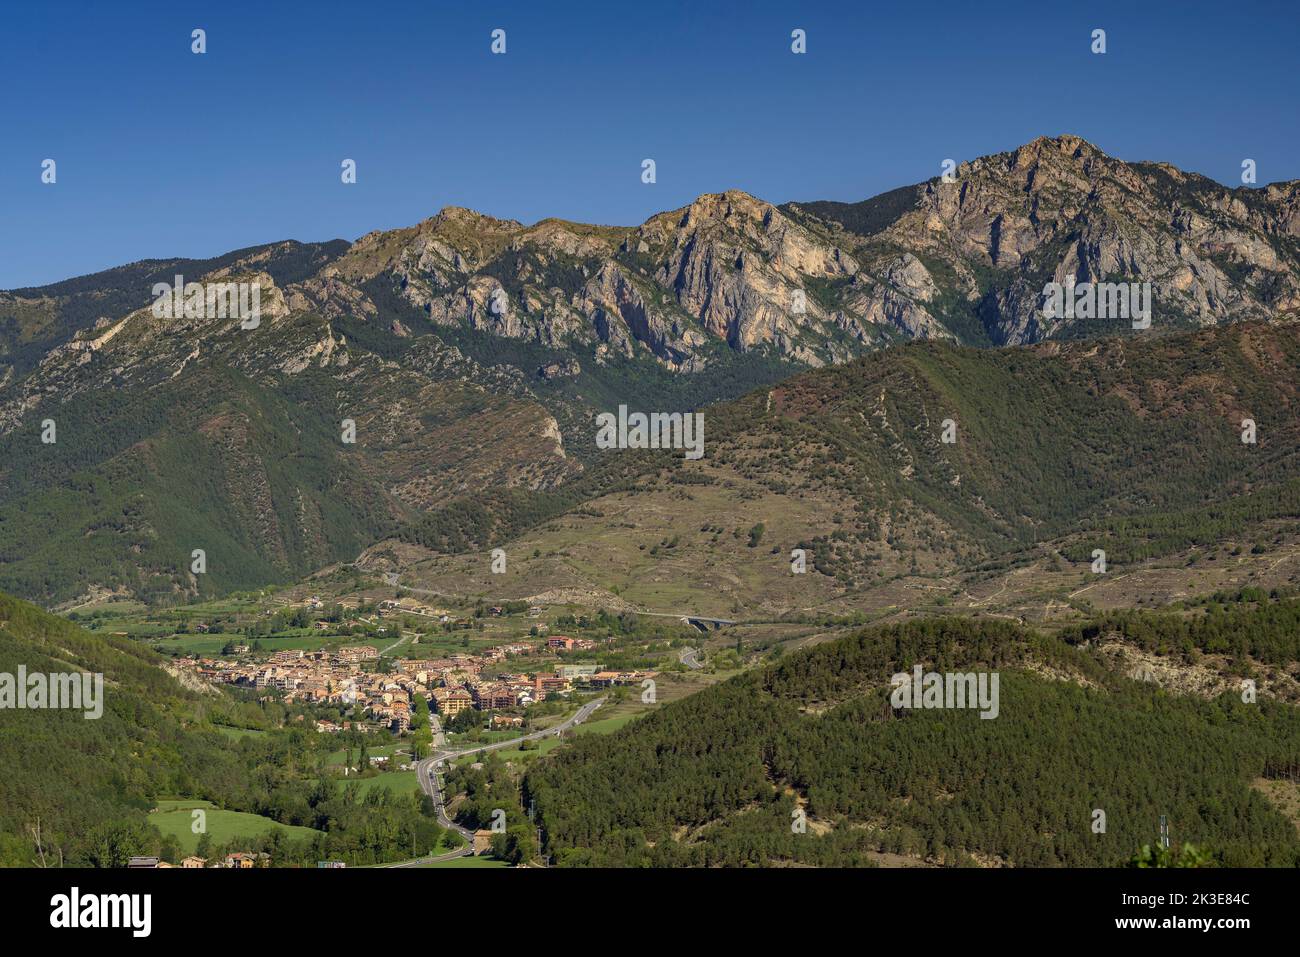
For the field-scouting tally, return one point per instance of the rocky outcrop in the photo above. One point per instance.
(964, 256)
(567, 369)
(1058, 209)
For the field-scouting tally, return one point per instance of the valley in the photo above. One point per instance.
(383, 579)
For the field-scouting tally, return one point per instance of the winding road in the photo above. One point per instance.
(429, 773)
(690, 658)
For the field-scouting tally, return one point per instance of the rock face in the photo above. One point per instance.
(739, 268)
(467, 353)
(819, 282)
(282, 444)
(1058, 209)
(814, 283)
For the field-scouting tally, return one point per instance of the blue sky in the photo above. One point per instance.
(161, 152)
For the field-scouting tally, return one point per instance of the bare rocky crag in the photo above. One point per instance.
(810, 282)
(819, 282)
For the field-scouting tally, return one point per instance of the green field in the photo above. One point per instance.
(240, 733)
(546, 745)
(111, 609)
(195, 645)
(336, 758)
(399, 782)
(175, 818)
(136, 629)
(605, 725)
(470, 739)
(212, 644)
(175, 805)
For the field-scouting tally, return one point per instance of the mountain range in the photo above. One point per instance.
(470, 353)
(821, 281)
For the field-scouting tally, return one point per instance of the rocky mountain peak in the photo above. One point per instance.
(461, 216)
(965, 257)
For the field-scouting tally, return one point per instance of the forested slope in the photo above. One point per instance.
(714, 779)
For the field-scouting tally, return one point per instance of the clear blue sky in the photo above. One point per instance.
(161, 152)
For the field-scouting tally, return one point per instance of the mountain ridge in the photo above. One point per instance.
(469, 354)
(820, 281)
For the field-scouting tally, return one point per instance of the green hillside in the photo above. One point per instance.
(136, 481)
(714, 779)
(1132, 447)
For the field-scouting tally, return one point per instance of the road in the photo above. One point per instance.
(580, 716)
(419, 861)
(689, 618)
(384, 651)
(690, 658)
(429, 773)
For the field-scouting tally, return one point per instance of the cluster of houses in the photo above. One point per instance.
(237, 860)
(452, 685)
(323, 677)
(465, 687)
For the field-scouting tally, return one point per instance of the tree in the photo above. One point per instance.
(1188, 855)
